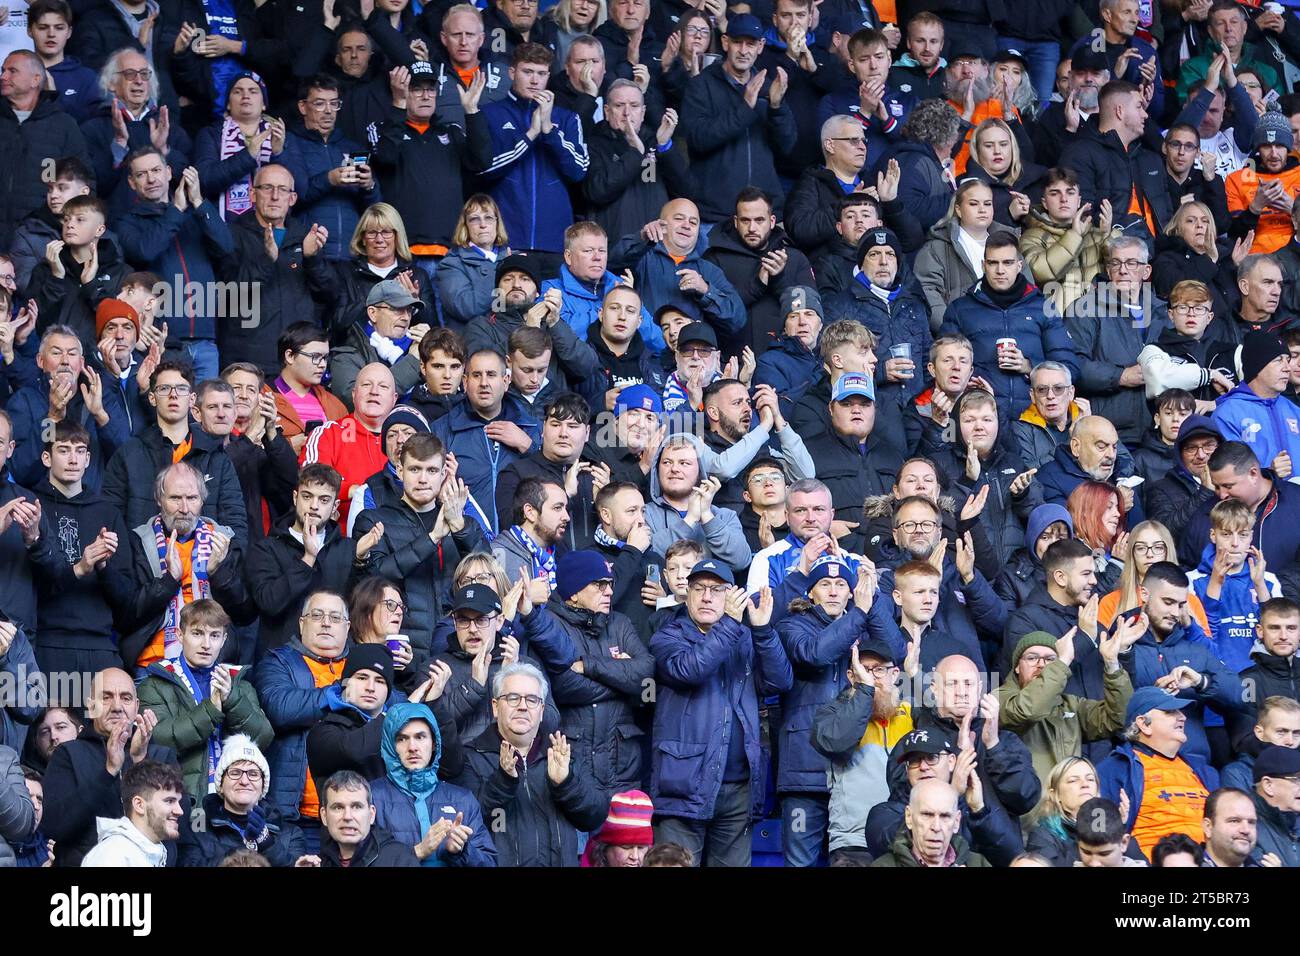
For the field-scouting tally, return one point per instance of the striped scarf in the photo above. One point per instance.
(199, 689)
(199, 579)
(543, 558)
(238, 199)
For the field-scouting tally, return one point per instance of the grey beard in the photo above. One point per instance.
(1088, 99)
(983, 86)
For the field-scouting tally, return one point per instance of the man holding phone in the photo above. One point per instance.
(1260, 195)
(331, 173)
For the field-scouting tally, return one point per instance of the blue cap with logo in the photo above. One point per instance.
(854, 383)
(710, 567)
(1146, 699)
(638, 396)
(746, 25)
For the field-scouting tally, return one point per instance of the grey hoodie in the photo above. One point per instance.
(721, 538)
(121, 844)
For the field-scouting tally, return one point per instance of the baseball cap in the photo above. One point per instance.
(1147, 699)
(1086, 58)
(712, 568)
(1274, 761)
(697, 332)
(1010, 56)
(638, 396)
(390, 292)
(422, 74)
(745, 25)
(924, 741)
(879, 649)
(476, 597)
(854, 383)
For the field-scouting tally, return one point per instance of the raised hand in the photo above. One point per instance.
(864, 594)
(859, 676)
(53, 250)
(509, 650)
(754, 87)
(1087, 616)
(557, 759)
(736, 601)
(144, 725)
(470, 95)
(509, 759)
(220, 548)
(1065, 647)
(965, 556)
(989, 709)
(761, 615)
(1021, 482)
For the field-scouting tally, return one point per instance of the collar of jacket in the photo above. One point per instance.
(463, 418)
(298, 647)
(572, 285)
(1034, 417)
(588, 621)
(635, 348)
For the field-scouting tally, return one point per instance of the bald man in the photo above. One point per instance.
(929, 835)
(670, 270)
(84, 777)
(1093, 453)
(963, 710)
(353, 445)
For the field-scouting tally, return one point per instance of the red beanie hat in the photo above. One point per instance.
(628, 823)
(111, 309)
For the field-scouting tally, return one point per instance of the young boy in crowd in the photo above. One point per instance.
(1155, 456)
(916, 595)
(1101, 837)
(442, 365)
(1181, 357)
(1231, 581)
(680, 557)
(79, 270)
(72, 177)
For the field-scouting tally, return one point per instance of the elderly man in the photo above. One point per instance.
(670, 269)
(635, 168)
(523, 776)
(353, 445)
(388, 334)
(177, 557)
(1089, 71)
(1045, 424)
(1277, 803)
(135, 119)
(1110, 325)
(1092, 454)
(711, 669)
(65, 389)
(461, 60)
(83, 780)
(1151, 755)
(929, 836)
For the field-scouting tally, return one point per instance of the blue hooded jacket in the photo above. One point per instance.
(407, 802)
(1235, 612)
(1269, 426)
(581, 306)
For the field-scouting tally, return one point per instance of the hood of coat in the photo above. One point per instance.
(122, 828)
(695, 442)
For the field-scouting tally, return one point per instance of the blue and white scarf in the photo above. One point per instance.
(199, 685)
(543, 558)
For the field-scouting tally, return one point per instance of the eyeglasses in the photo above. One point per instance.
(379, 233)
(531, 701)
(1149, 549)
(134, 75)
(269, 189)
(474, 623)
(882, 671)
(912, 527)
(328, 106)
(316, 358)
(1124, 264)
(392, 605)
(1052, 389)
(318, 616)
(848, 139)
(9, 279)
(484, 577)
(698, 32)
(182, 389)
(1182, 147)
(712, 590)
(605, 585)
(252, 774)
(1036, 658)
(928, 760)
(767, 478)
(701, 352)
(1197, 310)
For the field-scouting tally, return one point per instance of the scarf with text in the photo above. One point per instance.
(171, 626)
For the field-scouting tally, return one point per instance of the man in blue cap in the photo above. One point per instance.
(736, 122)
(1165, 789)
(710, 668)
(627, 444)
(849, 461)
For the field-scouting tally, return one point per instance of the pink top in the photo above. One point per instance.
(307, 407)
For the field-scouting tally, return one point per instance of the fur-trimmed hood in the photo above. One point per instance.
(882, 506)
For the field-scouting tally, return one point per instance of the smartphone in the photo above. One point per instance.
(311, 426)
(361, 159)
(652, 574)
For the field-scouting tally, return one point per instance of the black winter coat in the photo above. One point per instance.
(67, 301)
(49, 133)
(290, 289)
(379, 849)
(853, 472)
(1006, 771)
(625, 189)
(741, 264)
(406, 553)
(1107, 170)
(267, 474)
(540, 820)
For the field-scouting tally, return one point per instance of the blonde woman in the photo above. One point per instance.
(953, 256)
(477, 568)
(995, 159)
(1071, 784)
(1148, 543)
(467, 273)
(379, 251)
(1188, 250)
(573, 18)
